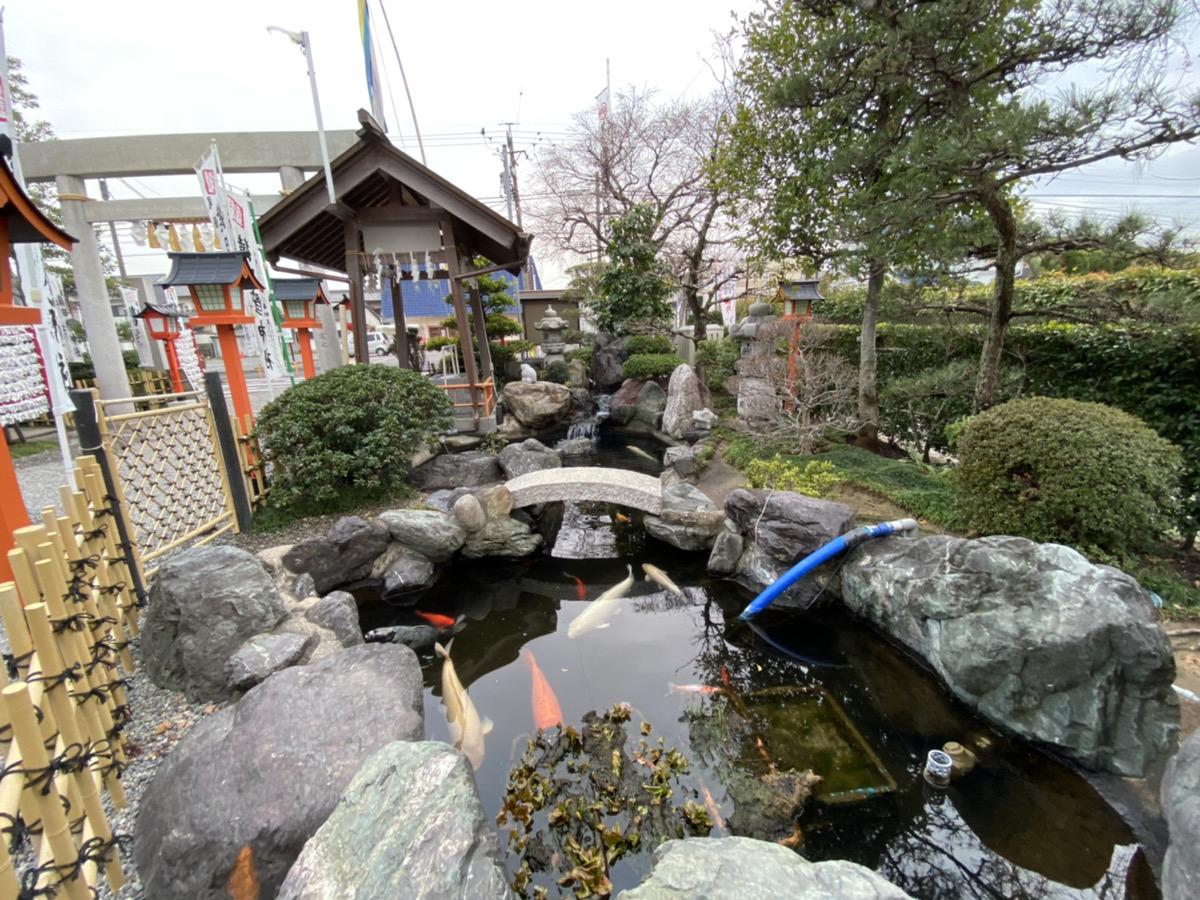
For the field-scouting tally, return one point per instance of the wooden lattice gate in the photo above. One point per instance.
(170, 468)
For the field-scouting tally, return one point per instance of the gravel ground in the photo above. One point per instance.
(40, 477)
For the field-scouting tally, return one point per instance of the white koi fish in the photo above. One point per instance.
(466, 728)
(601, 609)
(662, 579)
(638, 451)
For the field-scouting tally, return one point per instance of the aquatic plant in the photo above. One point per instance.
(580, 800)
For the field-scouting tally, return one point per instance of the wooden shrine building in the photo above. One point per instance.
(396, 219)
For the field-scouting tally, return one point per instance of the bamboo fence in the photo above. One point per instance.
(69, 616)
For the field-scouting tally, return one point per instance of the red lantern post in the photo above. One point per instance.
(299, 298)
(216, 282)
(163, 325)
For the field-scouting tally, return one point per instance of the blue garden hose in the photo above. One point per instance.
(838, 545)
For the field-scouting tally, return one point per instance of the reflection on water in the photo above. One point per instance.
(829, 695)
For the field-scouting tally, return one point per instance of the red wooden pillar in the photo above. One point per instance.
(306, 354)
(231, 356)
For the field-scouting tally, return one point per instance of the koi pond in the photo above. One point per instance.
(751, 713)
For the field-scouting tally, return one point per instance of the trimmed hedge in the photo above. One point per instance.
(650, 365)
(351, 429)
(1149, 372)
(639, 344)
(1059, 470)
(715, 359)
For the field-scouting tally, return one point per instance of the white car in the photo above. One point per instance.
(377, 343)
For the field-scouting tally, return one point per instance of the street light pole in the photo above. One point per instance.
(301, 38)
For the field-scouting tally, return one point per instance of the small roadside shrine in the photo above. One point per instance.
(215, 282)
(300, 298)
(395, 219)
(22, 371)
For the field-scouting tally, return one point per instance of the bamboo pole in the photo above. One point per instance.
(56, 832)
(64, 715)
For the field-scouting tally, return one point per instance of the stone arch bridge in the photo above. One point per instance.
(593, 483)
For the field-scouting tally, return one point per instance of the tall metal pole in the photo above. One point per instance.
(404, 80)
(312, 77)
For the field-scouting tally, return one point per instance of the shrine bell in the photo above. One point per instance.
(164, 325)
(21, 222)
(299, 298)
(216, 282)
(798, 297)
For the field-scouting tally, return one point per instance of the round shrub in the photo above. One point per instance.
(584, 353)
(716, 360)
(352, 429)
(1066, 471)
(650, 365)
(648, 343)
(557, 372)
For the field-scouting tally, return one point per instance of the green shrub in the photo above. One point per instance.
(650, 365)
(502, 353)
(716, 359)
(816, 478)
(584, 353)
(556, 371)
(919, 409)
(353, 428)
(1060, 470)
(649, 343)
(437, 343)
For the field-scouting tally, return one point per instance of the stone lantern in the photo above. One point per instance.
(552, 327)
(744, 331)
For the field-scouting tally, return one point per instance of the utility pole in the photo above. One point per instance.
(512, 195)
(112, 231)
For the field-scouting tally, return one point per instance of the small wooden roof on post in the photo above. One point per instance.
(385, 198)
(21, 222)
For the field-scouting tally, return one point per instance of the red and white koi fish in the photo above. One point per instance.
(437, 620)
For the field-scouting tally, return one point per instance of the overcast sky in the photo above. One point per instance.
(122, 67)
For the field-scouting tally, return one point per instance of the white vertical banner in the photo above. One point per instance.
(141, 341)
(258, 303)
(190, 363)
(229, 212)
(56, 299)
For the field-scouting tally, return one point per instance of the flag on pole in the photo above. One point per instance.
(602, 105)
(371, 63)
(233, 222)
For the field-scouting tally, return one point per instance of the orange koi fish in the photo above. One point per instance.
(580, 588)
(546, 711)
(243, 882)
(714, 811)
(437, 620)
(692, 689)
(725, 676)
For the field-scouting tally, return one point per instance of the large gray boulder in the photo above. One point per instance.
(685, 394)
(428, 531)
(1033, 637)
(452, 470)
(407, 570)
(204, 604)
(409, 825)
(267, 771)
(264, 655)
(689, 520)
(528, 456)
(791, 526)
(502, 537)
(1181, 808)
(339, 613)
(726, 551)
(651, 401)
(343, 556)
(537, 405)
(608, 360)
(622, 406)
(734, 868)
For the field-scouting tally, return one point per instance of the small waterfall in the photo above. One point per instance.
(603, 406)
(585, 428)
